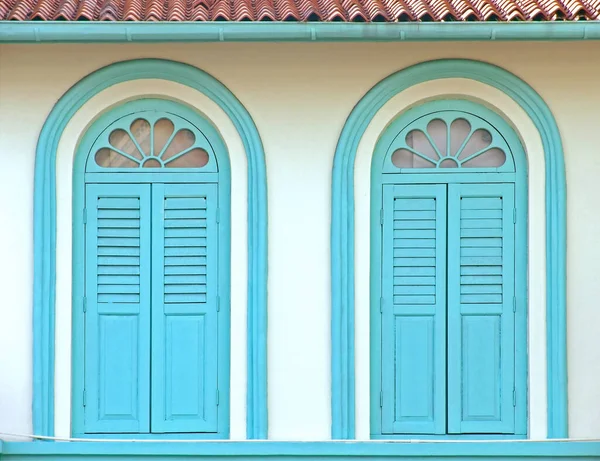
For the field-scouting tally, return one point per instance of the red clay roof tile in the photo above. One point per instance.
(300, 10)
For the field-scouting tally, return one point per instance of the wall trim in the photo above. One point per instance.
(430, 451)
(342, 230)
(44, 289)
(224, 31)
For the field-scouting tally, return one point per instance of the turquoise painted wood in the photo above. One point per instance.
(481, 297)
(184, 308)
(174, 264)
(313, 451)
(117, 309)
(151, 132)
(335, 31)
(476, 336)
(413, 308)
(45, 239)
(342, 239)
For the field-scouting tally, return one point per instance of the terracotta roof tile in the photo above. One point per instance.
(300, 10)
(199, 10)
(87, 9)
(265, 10)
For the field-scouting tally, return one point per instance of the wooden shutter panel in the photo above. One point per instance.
(414, 309)
(481, 348)
(184, 308)
(117, 315)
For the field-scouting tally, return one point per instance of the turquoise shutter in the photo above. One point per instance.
(481, 348)
(184, 308)
(414, 309)
(117, 308)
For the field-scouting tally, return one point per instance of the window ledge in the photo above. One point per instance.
(153, 438)
(448, 437)
(50, 451)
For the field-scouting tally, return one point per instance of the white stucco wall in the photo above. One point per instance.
(299, 96)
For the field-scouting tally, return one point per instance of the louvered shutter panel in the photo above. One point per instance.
(481, 348)
(184, 308)
(117, 317)
(414, 309)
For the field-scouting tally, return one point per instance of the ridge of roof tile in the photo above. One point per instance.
(300, 10)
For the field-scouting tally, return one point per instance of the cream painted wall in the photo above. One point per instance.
(299, 96)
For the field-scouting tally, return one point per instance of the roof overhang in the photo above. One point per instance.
(152, 32)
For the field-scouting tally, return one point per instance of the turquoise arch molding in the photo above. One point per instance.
(44, 290)
(342, 231)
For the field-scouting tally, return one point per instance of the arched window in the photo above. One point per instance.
(151, 338)
(449, 275)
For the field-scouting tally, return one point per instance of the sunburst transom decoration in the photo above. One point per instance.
(152, 140)
(449, 140)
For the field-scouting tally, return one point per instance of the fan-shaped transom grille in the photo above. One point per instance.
(449, 140)
(152, 140)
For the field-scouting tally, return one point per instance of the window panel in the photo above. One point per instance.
(117, 320)
(414, 309)
(481, 325)
(156, 263)
(184, 308)
(453, 335)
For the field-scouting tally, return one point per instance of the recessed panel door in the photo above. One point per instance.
(184, 308)
(481, 297)
(414, 309)
(117, 312)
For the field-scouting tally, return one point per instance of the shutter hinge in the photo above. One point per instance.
(217, 397)
(218, 303)
(381, 399)
(84, 304)
(84, 398)
(381, 305)
(514, 216)
(85, 216)
(514, 397)
(514, 304)
(218, 215)
(381, 214)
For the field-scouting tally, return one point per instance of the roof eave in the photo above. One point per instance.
(152, 32)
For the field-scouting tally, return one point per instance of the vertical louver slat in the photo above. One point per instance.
(480, 314)
(184, 308)
(414, 309)
(117, 273)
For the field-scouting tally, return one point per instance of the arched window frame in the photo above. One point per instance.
(45, 228)
(85, 169)
(343, 231)
(383, 172)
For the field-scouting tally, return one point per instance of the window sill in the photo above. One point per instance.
(133, 437)
(449, 437)
(163, 451)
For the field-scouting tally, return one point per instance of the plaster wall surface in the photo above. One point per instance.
(299, 96)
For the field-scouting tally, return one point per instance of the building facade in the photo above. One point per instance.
(300, 243)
